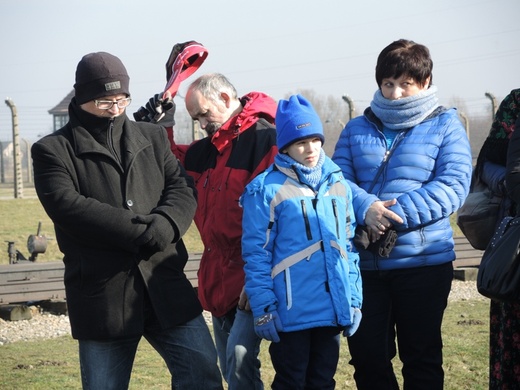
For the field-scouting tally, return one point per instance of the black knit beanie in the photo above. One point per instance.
(98, 75)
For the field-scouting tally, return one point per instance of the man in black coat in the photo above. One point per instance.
(120, 203)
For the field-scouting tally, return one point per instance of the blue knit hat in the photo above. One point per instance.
(296, 120)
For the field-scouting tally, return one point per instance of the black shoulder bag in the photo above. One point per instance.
(498, 275)
(478, 216)
(384, 245)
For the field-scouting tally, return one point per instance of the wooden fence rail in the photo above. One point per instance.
(33, 281)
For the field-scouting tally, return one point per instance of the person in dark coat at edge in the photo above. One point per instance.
(498, 165)
(240, 143)
(120, 203)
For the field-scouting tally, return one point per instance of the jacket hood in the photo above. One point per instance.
(255, 106)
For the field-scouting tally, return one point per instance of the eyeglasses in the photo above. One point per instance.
(107, 104)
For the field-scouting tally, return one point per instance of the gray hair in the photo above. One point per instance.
(211, 85)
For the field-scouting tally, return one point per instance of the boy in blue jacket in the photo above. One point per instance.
(302, 272)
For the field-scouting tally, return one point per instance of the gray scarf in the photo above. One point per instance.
(406, 112)
(311, 175)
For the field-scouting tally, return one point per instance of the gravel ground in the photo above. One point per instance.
(44, 325)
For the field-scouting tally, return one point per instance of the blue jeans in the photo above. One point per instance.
(238, 347)
(187, 349)
(407, 305)
(306, 359)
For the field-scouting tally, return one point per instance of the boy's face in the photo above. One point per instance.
(305, 151)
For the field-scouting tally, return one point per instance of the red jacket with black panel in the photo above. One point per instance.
(222, 166)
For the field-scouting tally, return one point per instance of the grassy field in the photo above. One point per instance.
(20, 218)
(53, 364)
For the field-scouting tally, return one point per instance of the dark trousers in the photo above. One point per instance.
(306, 359)
(408, 304)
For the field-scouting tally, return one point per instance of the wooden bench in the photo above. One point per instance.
(192, 267)
(466, 255)
(33, 281)
(465, 266)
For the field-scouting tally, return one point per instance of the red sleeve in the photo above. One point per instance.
(178, 150)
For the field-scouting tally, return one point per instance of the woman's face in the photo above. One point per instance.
(401, 87)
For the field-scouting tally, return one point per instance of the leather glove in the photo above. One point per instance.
(268, 325)
(157, 110)
(382, 247)
(355, 315)
(176, 50)
(158, 234)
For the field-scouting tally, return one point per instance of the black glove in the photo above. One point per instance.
(382, 247)
(386, 243)
(157, 110)
(176, 50)
(158, 235)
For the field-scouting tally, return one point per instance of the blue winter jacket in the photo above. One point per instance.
(296, 244)
(428, 172)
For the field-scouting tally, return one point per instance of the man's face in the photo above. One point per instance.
(97, 107)
(210, 114)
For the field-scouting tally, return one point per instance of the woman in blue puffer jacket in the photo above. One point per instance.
(408, 162)
(302, 272)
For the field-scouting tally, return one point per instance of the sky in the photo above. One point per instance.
(279, 47)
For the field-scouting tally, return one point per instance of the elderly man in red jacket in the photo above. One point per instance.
(241, 143)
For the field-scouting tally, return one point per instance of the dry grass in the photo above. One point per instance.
(53, 364)
(20, 218)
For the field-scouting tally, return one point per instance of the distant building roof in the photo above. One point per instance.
(63, 106)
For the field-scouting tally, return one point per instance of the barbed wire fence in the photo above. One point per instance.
(15, 153)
